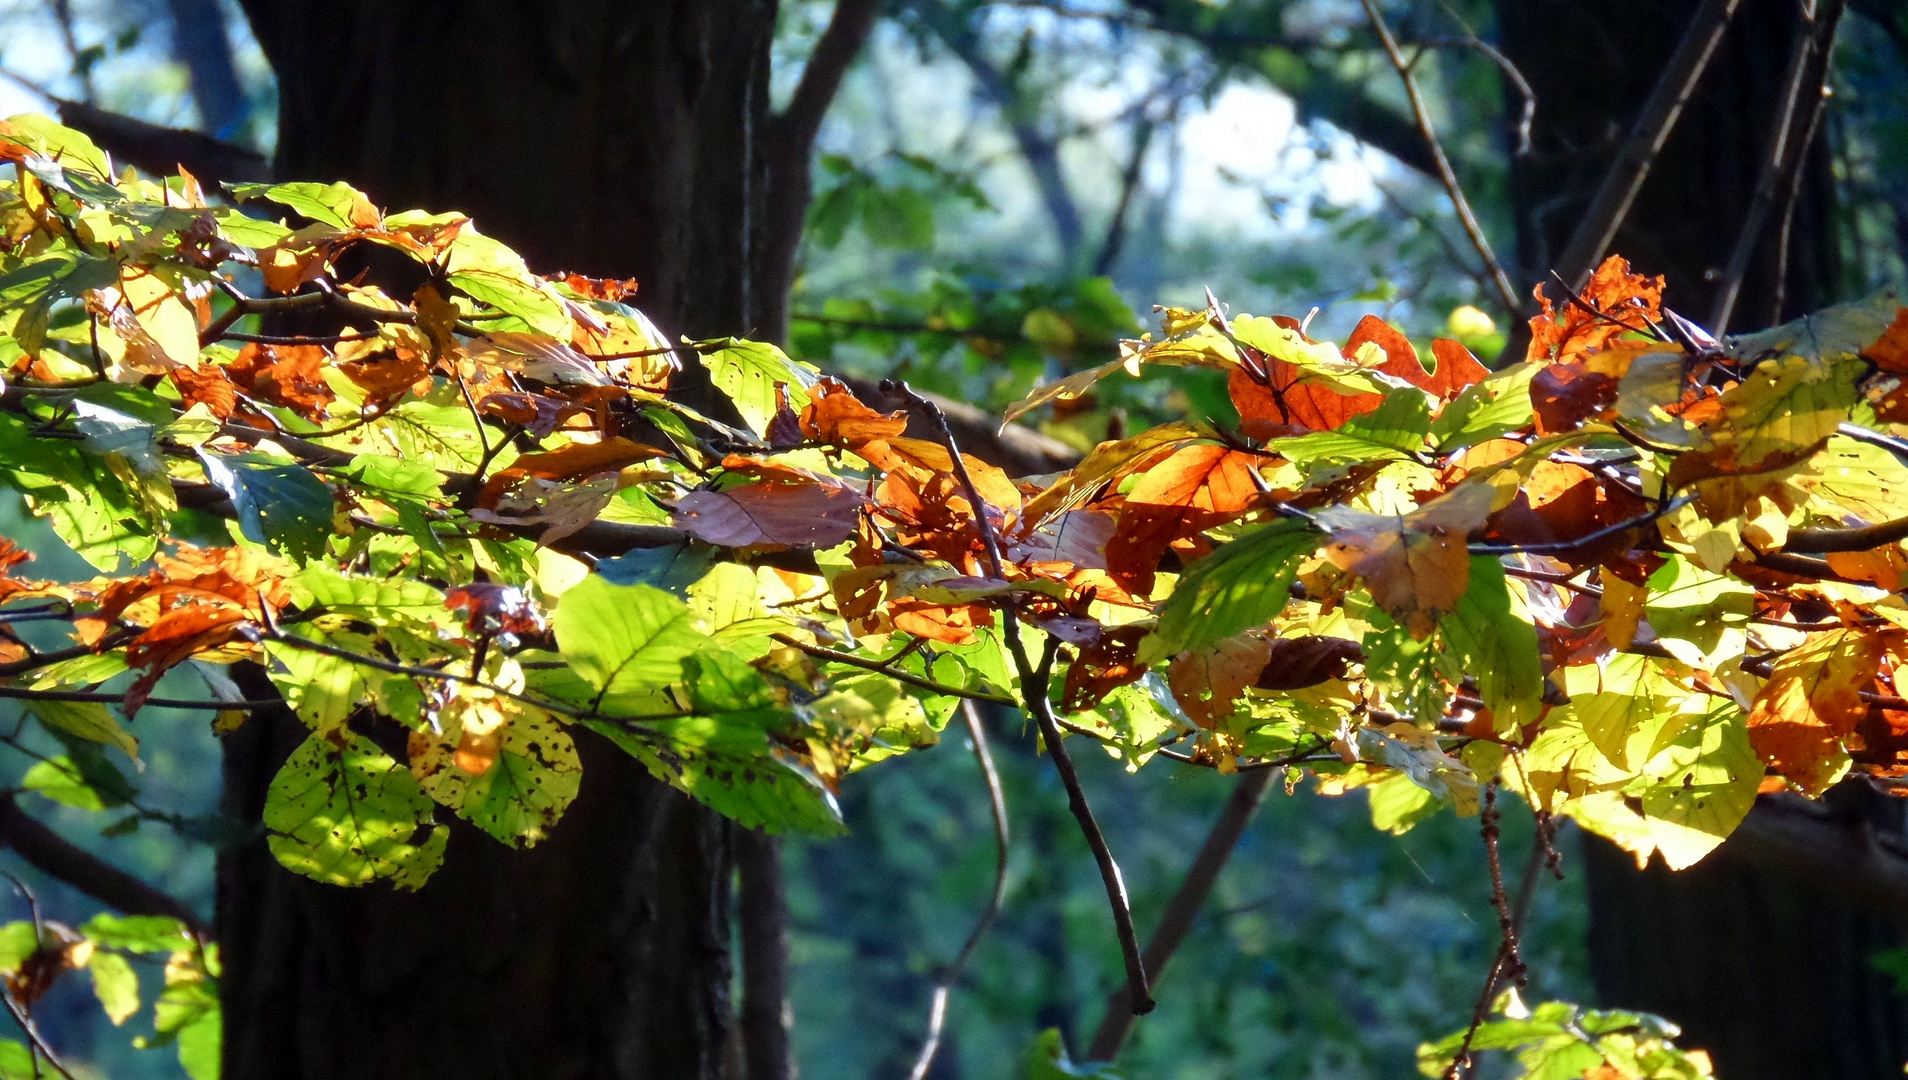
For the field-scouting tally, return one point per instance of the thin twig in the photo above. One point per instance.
(21, 1017)
(1035, 685)
(997, 805)
(22, 693)
(1176, 921)
(1611, 204)
(836, 656)
(1446, 174)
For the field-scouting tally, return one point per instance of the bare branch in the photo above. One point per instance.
(1177, 920)
(1035, 684)
(1684, 69)
(1446, 175)
(997, 805)
(57, 857)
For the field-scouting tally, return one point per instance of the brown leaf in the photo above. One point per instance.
(818, 515)
(1103, 667)
(576, 461)
(1296, 663)
(1208, 683)
(1415, 566)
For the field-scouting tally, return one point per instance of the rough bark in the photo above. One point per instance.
(610, 139)
(1762, 963)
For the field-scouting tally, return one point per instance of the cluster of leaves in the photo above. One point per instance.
(185, 1015)
(455, 511)
(1557, 1039)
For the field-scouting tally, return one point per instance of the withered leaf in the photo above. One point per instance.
(819, 515)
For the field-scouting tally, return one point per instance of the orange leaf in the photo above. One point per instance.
(1456, 369)
(1812, 699)
(1190, 491)
(834, 415)
(1890, 351)
(950, 623)
(387, 379)
(1618, 296)
(288, 375)
(207, 385)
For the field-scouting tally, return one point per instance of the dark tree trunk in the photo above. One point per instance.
(1763, 966)
(611, 139)
(1592, 66)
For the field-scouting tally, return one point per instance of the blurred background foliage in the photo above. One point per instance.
(1004, 189)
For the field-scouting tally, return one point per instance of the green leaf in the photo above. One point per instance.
(51, 140)
(624, 639)
(1490, 408)
(1706, 786)
(201, 1044)
(282, 506)
(749, 371)
(321, 688)
(89, 720)
(328, 204)
(17, 1062)
(524, 792)
(18, 940)
(1497, 646)
(137, 933)
(1047, 1060)
(1700, 617)
(898, 217)
(1244, 584)
(115, 985)
(1395, 429)
(368, 599)
(344, 813)
(59, 779)
(1397, 804)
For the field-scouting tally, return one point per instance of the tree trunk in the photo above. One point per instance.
(609, 139)
(1762, 965)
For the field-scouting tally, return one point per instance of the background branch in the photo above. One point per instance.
(57, 857)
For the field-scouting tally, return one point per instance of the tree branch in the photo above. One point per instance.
(104, 882)
(1611, 204)
(789, 147)
(1177, 920)
(1446, 175)
(160, 151)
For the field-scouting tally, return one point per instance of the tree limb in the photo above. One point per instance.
(161, 151)
(1446, 175)
(59, 858)
(1177, 920)
(789, 148)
